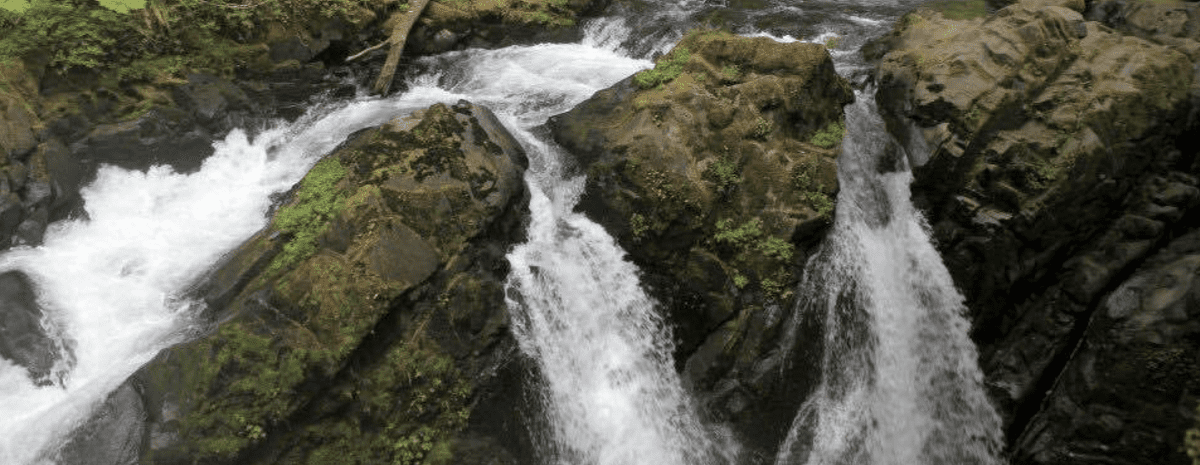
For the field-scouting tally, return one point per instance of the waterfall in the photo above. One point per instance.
(899, 381)
(899, 384)
(114, 283)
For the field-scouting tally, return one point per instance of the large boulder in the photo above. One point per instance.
(714, 171)
(1053, 154)
(365, 323)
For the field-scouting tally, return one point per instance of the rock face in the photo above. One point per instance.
(711, 170)
(1055, 153)
(1125, 391)
(368, 320)
(24, 339)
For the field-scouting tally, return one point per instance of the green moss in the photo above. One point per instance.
(665, 70)
(406, 410)
(317, 201)
(829, 136)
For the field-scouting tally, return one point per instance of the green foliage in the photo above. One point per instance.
(317, 201)
(666, 70)
(829, 136)
(67, 35)
(765, 254)
(123, 6)
(820, 202)
(762, 127)
(638, 226)
(725, 172)
(832, 42)
(749, 237)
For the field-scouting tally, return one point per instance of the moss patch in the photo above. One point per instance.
(317, 201)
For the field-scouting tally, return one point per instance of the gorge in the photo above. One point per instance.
(743, 232)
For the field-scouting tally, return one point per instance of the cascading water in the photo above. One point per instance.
(116, 282)
(899, 382)
(899, 385)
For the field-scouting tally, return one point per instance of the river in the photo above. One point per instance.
(901, 388)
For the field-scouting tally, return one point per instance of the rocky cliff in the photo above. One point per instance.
(716, 172)
(1054, 149)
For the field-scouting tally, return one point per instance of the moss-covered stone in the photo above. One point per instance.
(329, 351)
(706, 170)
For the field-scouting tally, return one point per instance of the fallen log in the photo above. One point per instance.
(400, 30)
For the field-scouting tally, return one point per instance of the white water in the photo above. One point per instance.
(116, 282)
(900, 383)
(899, 386)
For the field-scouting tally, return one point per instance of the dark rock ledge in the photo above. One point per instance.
(1056, 156)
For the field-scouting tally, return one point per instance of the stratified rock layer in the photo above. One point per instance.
(709, 171)
(368, 320)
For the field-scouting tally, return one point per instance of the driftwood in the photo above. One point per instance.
(368, 50)
(399, 36)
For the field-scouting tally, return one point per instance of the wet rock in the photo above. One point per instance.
(114, 433)
(25, 338)
(1128, 392)
(714, 179)
(211, 100)
(1052, 152)
(368, 320)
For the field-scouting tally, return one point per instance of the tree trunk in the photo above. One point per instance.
(399, 37)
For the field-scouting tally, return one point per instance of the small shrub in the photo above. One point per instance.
(829, 136)
(762, 127)
(724, 172)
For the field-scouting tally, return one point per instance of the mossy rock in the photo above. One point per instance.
(716, 170)
(336, 306)
(719, 133)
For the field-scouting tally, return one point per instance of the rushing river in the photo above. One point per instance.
(115, 285)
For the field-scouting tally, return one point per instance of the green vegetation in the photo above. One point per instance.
(830, 136)
(317, 201)
(812, 190)
(755, 249)
(725, 172)
(638, 226)
(1191, 440)
(666, 70)
(762, 127)
(131, 39)
(407, 409)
